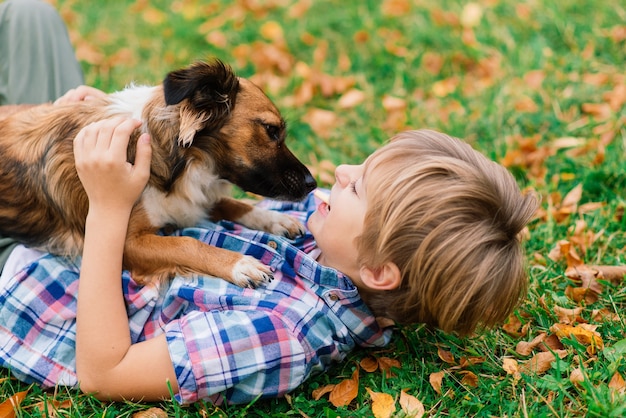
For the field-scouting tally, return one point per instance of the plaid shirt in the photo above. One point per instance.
(224, 341)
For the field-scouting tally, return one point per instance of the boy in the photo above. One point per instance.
(425, 231)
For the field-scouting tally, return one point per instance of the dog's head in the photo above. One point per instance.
(234, 122)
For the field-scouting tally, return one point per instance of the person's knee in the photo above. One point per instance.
(25, 11)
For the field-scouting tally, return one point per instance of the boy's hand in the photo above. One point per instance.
(79, 94)
(111, 182)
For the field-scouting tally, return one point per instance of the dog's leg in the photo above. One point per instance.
(256, 218)
(149, 256)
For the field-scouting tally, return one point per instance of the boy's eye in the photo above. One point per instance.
(353, 187)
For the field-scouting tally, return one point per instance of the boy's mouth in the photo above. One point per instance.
(324, 207)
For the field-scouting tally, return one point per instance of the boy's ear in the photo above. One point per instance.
(386, 277)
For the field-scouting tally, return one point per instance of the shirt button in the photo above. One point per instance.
(272, 244)
(333, 297)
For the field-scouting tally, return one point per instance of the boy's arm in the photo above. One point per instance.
(106, 361)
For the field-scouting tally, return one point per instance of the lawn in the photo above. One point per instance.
(538, 86)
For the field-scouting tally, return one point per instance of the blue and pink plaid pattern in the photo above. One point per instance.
(225, 342)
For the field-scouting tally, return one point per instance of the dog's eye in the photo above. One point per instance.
(273, 131)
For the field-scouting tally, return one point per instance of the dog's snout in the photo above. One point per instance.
(310, 183)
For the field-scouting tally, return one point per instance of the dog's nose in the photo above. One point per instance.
(310, 183)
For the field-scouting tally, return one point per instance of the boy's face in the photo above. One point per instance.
(336, 225)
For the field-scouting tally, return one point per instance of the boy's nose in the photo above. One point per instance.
(342, 175)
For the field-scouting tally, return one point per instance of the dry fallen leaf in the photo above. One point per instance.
(345, 391)
(386, 363)
(151, 413)
(577, 376)
(568, 316)
(369, 364)
(436, 380)
(446, 356)
(383, 404)
(525, 348)
(350, 99)
(510, 366)
(617, 383)
(583, 333)
(321, 391)
(469, 378)
(411, 406)
(541, 362)
(11, 405)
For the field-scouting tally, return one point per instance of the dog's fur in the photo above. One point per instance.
(209, 129)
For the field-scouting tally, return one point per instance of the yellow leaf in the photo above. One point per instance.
(411, 406)
(153, 16)
(383, 404)
(583, 334)
(272, 31)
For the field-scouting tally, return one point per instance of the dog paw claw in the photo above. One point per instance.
(249, 272)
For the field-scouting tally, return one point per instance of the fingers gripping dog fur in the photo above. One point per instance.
(209, 129)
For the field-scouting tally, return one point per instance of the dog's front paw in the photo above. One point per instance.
(285, 225)
(274, 222)
(250, 272)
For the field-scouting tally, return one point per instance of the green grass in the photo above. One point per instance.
(409, 56)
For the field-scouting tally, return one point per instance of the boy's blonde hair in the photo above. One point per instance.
(449, 218)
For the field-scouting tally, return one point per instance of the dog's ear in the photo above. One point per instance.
(210, 89)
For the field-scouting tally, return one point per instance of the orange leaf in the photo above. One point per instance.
(9, 407)
(446, 356)
(386, 363)
(614, 274)
(525, 348)
(322, 121)
(541, 362)
(577, 376)
(436, 380)
(583, 333)
(151, 413)
(383, 404)
(52, 406)
(509, 365)
(369, 364)
(471, 361)
(617, 383)
(321, 391)
(411, 406)
(469, 378)
(351, 98)
(567, 316)
(345, 392)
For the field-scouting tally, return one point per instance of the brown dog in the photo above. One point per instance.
(209, 128)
